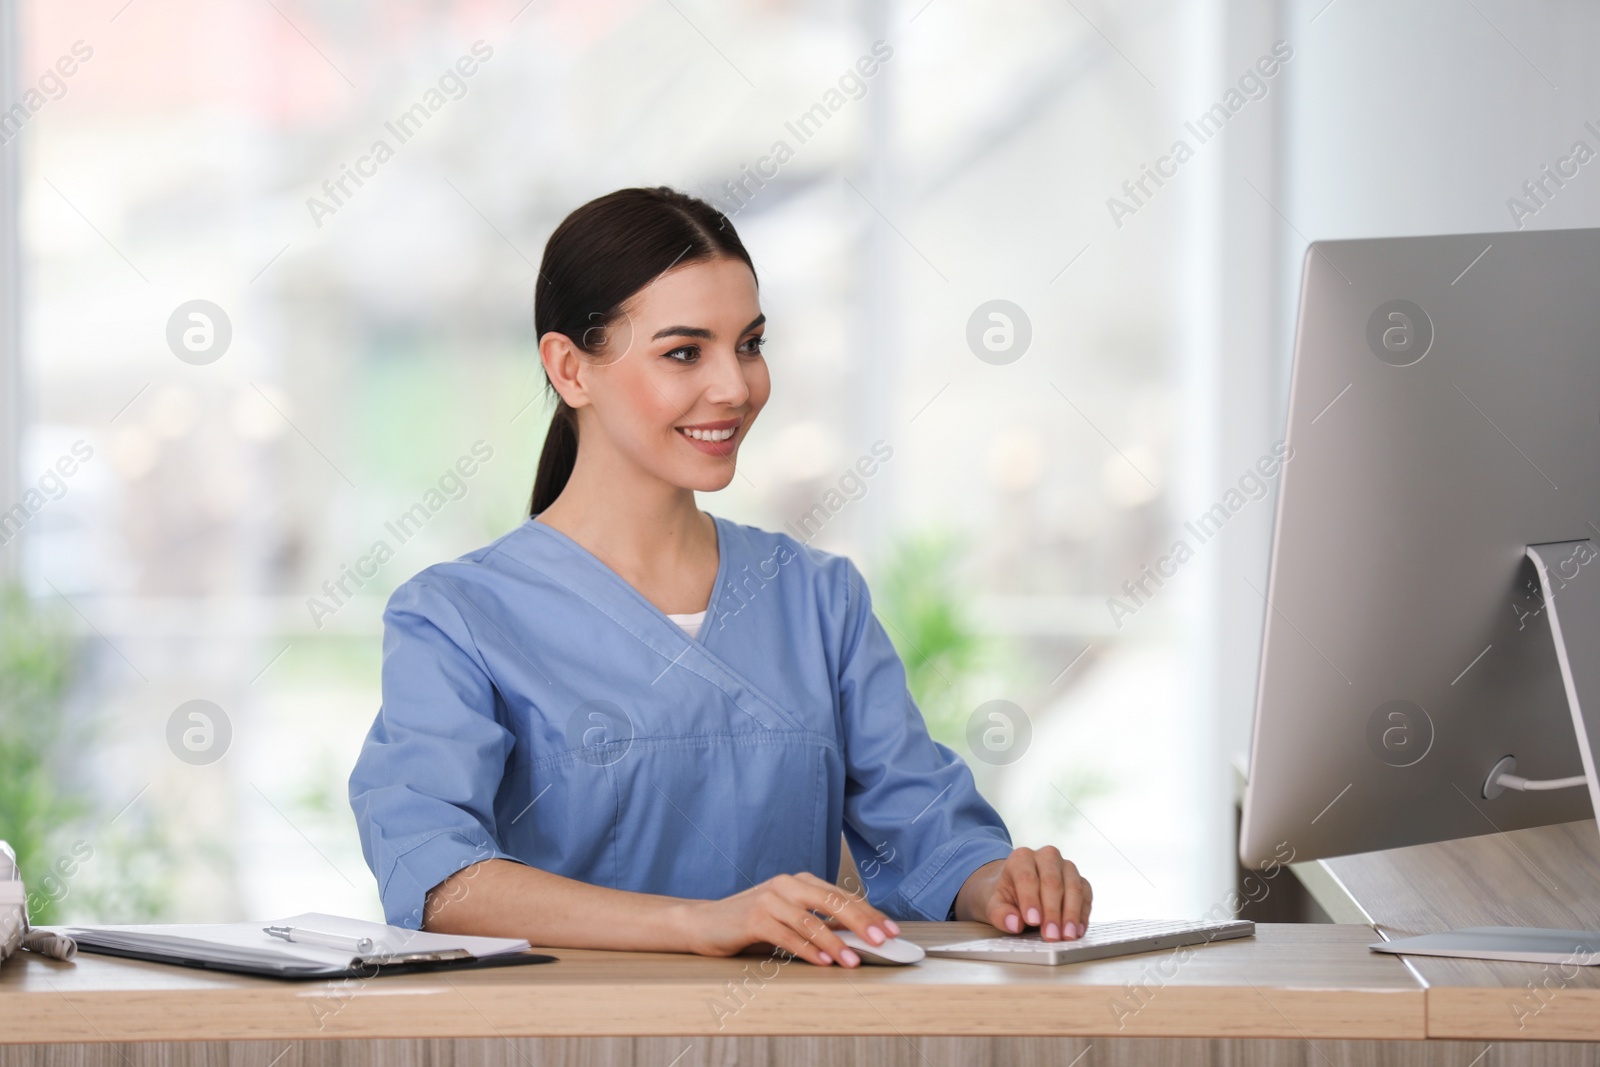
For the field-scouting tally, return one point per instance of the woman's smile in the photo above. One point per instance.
(720, 438)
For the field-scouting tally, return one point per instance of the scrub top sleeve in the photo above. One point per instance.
(423, 787)
(915, 821)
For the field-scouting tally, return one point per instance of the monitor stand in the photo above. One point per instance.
(1569, 581)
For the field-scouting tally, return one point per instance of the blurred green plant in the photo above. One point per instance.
(36, 657)
(951, 667)
(919, 601)
(48, 810)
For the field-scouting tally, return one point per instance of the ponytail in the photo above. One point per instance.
(556, 459)
(602, 254)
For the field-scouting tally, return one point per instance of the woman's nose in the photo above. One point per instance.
(727, 384)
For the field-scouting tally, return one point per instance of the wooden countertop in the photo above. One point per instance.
(1290, 981)
(1545, 876)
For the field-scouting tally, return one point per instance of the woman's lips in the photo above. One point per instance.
(713, 438)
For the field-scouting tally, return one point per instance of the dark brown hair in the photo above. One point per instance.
(602, 254)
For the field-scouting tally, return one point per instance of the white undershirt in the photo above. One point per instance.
(690, 624)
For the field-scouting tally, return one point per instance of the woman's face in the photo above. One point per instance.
(680, 377)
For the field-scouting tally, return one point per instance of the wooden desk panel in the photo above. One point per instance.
(1292, 982)
(1546, 876)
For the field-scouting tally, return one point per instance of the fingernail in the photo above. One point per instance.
(849, 958)
(1051, 931)
(1033, 916)
(1012, 924)
(1070, 930)
(824, 957)
(892, 926)
(875, 935)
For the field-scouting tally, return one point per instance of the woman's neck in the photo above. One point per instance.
(649, 531)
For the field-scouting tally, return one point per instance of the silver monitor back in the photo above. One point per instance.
(1444, 414)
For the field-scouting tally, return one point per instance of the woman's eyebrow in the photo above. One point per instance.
(700, 331)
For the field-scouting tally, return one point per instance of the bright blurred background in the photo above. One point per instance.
(357, 341)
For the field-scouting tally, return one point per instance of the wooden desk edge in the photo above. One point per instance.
(686, 1010)
(1307, 982)
(1513, 1013)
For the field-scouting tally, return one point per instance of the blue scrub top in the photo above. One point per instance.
(537, 708)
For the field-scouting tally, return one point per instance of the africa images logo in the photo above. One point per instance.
(1399, 333)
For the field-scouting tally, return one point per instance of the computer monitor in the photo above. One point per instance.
(1433, 598)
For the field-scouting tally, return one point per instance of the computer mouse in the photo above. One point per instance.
(895, 952)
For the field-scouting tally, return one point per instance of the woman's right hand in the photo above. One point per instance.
(778, 912)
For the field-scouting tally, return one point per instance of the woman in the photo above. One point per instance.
(628, 724)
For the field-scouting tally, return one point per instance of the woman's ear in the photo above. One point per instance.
(564, 365)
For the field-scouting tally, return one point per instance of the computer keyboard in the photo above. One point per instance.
(1103, 939)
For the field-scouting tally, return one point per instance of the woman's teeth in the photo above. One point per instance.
(707, 435)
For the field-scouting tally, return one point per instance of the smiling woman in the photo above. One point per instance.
(575, 746)
(611, 262)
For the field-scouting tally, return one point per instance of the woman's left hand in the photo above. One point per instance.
(1031, 887)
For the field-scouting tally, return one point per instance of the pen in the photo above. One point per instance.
(357, 945)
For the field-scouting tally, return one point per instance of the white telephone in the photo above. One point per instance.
(14, 931)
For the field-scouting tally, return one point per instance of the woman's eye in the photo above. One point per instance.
(691, 353)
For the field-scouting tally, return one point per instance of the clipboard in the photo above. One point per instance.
(414, 963)
(247, 948)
